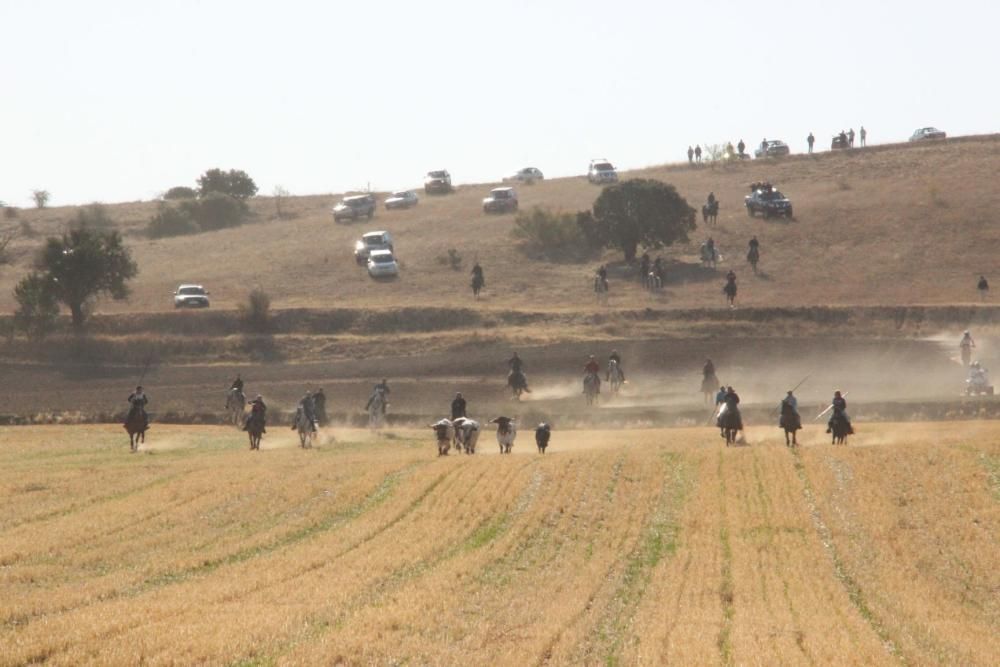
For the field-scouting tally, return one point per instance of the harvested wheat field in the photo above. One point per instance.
(643, 547)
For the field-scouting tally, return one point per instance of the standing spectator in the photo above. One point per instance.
(811, 140)
(864, 136)
(458, 406)
(697, 153)
(741, 147)
(690, 155)
(983, 287)
(850, 137)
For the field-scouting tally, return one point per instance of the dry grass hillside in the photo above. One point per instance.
(887, 225)
(644, 547)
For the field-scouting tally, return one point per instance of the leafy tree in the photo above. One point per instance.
(256, 312)
(41, 198)
(171, 221)
(37, 308)
(180, 192)
(94, 216)
(638, 212)
(235, 183)
(84, 264)
(216, 210)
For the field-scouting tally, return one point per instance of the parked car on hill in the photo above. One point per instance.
(371, 242)
(382, 264)
(190, 296)
(927, 133)
(768, 201)
(602, 171)
(437, 182)
(526, 175)
(501, 200)
(774, 148)
(354, 207)
(839, 142)
(401, 199)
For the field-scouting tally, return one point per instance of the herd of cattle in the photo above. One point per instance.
(463, 434)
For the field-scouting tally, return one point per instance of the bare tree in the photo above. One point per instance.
(279, 195)
(41, 198)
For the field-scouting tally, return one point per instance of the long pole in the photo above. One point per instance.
(828, 408)
(775, 411)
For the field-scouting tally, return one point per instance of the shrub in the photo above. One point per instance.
(216, 211)
(256, 312)
(93, 216)
(37, 307)
(41, 198)
(10, 212)
(171, 221)
(180, 192)
(235, 183)
(558, 236)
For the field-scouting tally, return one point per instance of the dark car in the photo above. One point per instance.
(839, 142)
(767, 201)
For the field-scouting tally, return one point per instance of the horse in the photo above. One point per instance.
(466, 434)
(731, 423)
(306, 428)
(376, 410)
(478, 283)
(444, 432)
(840, 427)
(653, 281)
(710, 213)
(615, 377)
(601, 289)
(753, 256)
(236, 403)
(255, 429)
(592, 387)
(790, 421)
(506, 433)
(136, 424)
(518, 384)
(730, 292)
(709, 256)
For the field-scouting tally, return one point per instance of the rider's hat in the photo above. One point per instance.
(259, 398)
(789, 392)
(139, 388)
(966, 332)
(458, 394)
(836, 393)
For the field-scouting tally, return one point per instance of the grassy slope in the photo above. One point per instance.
(617, 547)
(890, 225)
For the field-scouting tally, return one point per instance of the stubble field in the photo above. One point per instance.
(618, 547)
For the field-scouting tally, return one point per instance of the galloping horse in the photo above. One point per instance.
(236, 403)
(790, 421)
(136, 425)
(841, 428)
(255, 429)
(518, 384)
(731, 423)
(710, 213)
(753, 256)
(615, 378)
(376, 410)
(306, 428)
(591, 387)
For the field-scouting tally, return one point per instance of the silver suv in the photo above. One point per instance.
(438, 181)
(354, 207)
(602, 171)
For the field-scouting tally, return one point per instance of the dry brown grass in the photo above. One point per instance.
(914, 226)
(623, 547)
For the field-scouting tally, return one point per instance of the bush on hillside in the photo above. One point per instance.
(41, 198)
(256, 312)
(37, 307)
(180, 192)
(92, 216)
(556, 236)
(171, 221)
(216, 211)
(235, 183)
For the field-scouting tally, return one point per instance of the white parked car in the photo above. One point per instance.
(382, 264)
(924, 133)
(526, 175)
(602, 171)
(501, 200)
(190, 296)
(401, 199)
(370, 242)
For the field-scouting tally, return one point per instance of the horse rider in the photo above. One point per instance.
(617, 358)
(710, 244)
(137, 401)
(708, 370)
(741, 147)
(732, 401)
(458, 407)
(515, 364)
(380, 388)
(754, 244)
(237, 384)
(978, 376)
(839, 404)
(478, 280)
(592, 367)
(711, 199)
(789, 419)
(966, 345)
(720, 398)
(307, 406)
(258, 410)
(319, 399)
(983, 286)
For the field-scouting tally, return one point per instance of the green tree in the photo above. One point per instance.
(37, 308)
(171, 221)
(84, 264)
(638, 212)
(235, 183)
(216, 210)
(180, 192)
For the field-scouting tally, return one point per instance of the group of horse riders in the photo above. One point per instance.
(789, 420)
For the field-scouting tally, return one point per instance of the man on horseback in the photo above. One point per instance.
(839, 404)
(458, 407)
(237, 384)
(380, 390)
(137, 401)
(258, 414)
(516, 376)
(966, 345)
(478, 280)
(754, 244)
(617, 358)
(731, 417)
(711, 199)
(307, 407)
(592, 367)
(730, 288)
(790, 419)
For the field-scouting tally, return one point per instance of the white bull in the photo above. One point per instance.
(506, 433)
(466, 434)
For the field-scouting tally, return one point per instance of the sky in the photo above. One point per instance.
(119, 100)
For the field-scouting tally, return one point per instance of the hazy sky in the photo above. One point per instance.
(114, 100)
